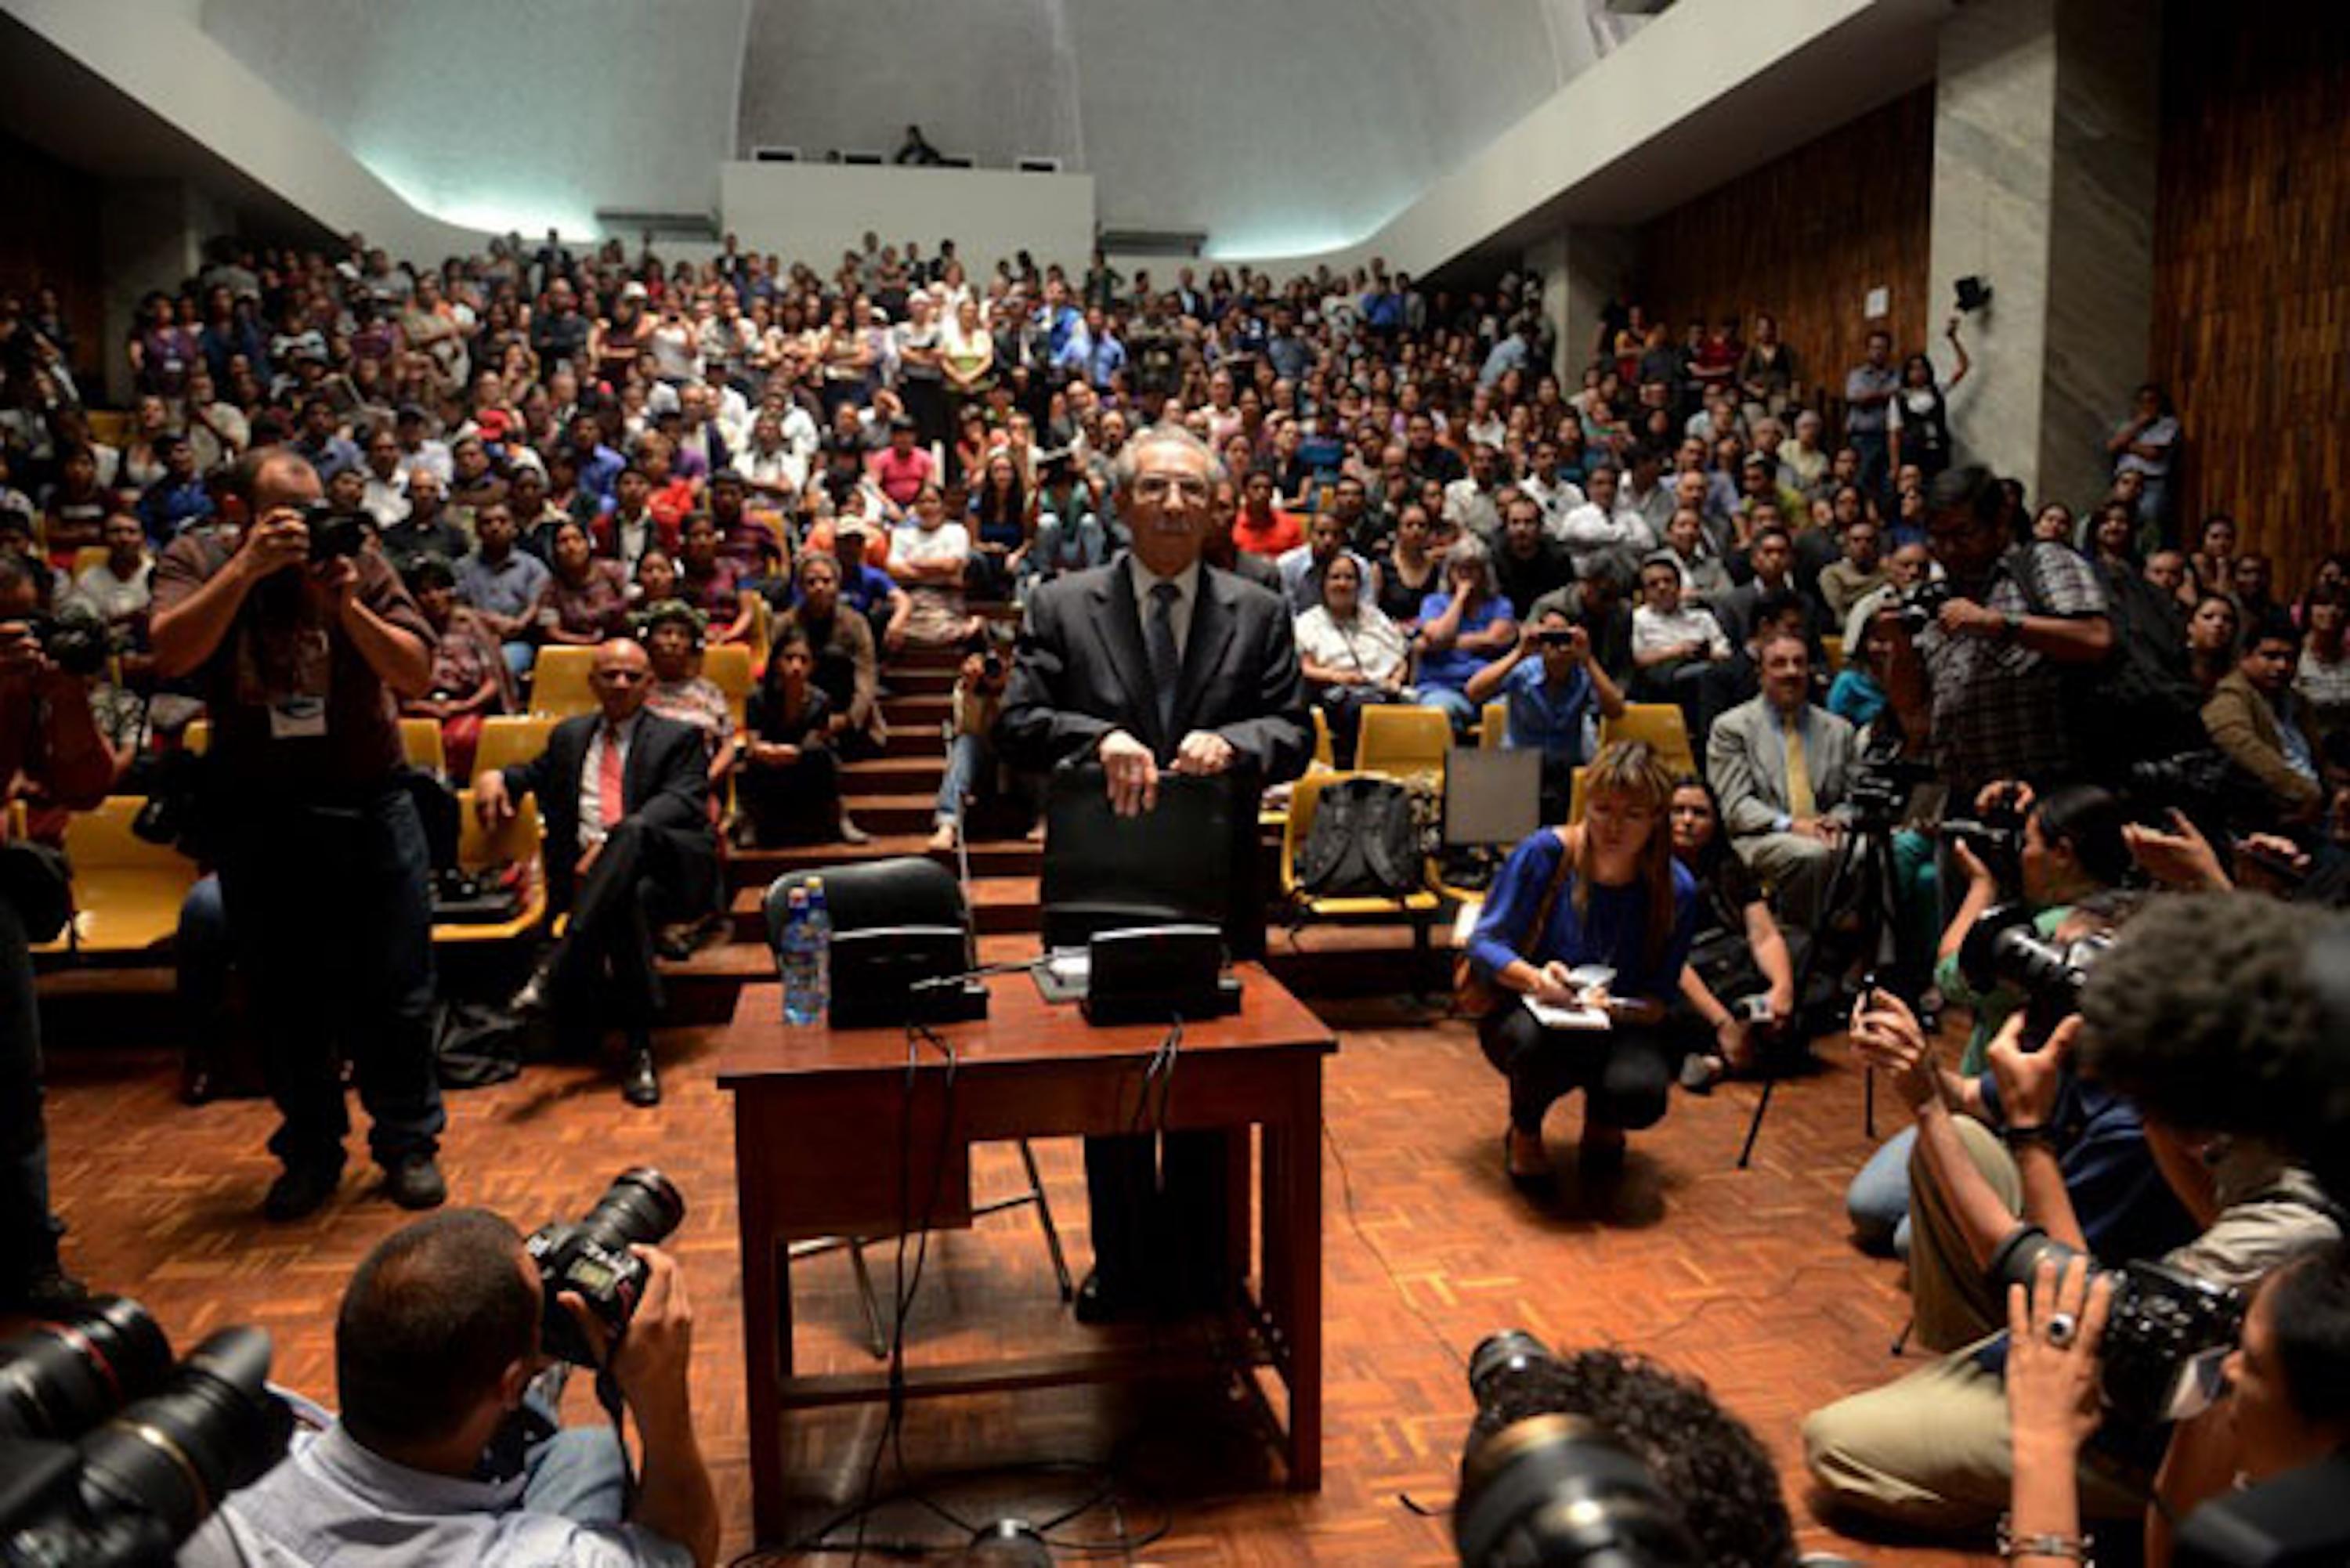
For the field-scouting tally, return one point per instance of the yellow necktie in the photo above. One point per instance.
(1800, 804)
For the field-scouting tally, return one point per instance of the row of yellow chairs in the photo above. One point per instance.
(127, 892)
(558, 681)
(1407, 740)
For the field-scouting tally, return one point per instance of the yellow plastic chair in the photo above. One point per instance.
(1661, 726)
(127, 892)
(1418, 906)
(728, 668)
(1325, 754)
(1832, 650)
(510, 738)
(1494, 726)
(558, 681)
(420, 742)
(1405, 742)
(510, 843)
(198, 736)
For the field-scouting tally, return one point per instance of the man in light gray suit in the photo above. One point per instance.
(1780, 767)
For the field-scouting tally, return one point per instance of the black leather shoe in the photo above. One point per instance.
(536, 997)
(413, 1181)
(301, 1191)
(640, 1085)
(1096, 1305)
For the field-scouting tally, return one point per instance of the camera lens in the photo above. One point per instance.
(215, 1426)
(1554, 1488)
(1503, 1355)
(61, 1379)
(640, 1207)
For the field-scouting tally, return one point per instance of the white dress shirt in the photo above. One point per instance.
(591, 775)
(1142, 579)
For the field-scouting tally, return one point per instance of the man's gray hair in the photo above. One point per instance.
(1129, 461)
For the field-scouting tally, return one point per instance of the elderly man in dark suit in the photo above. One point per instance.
(624, 794)
(1159, 664)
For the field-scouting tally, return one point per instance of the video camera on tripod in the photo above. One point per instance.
(111, 1456)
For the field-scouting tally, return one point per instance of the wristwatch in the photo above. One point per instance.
(2019, 1136)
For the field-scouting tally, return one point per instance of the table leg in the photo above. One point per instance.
(1300, 1201)
(766, 1334)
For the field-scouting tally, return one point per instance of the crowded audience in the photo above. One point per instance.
(1854, 631)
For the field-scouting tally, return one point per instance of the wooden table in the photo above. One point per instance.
(821, 1145)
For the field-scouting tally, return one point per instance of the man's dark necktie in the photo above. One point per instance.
(1166, 664)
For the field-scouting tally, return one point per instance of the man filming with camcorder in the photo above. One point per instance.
(447, 1449)
(1932, 1450)
(50, 741)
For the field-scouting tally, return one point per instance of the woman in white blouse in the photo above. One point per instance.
(1351, 654)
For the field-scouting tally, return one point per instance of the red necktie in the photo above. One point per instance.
(608, 802)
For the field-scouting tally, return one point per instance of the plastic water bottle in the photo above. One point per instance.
(802, 1003)
(820, 924)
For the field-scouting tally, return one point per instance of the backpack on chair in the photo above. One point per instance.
(1363, 844)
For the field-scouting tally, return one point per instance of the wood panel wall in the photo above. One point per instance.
(2252, 271)
(50, 238)
(1804, 238)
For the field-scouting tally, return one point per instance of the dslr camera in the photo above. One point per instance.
(111, 1456)
(2164, 1337)
(1881, 787)
(2004, 947)
(1996, 837)
(592, 1260)
(1919, 604)
(335, 532)
(73, 640)
(1555, 1488)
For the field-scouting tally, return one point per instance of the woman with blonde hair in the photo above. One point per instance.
(1605, 894)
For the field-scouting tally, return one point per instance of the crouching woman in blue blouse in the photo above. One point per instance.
(1604, 891)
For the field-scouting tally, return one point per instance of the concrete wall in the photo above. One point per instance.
(813, 211)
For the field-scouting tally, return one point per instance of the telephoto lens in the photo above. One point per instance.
(214, 1428)
(592, 1258)
(1552, 1488)
(59, 1379)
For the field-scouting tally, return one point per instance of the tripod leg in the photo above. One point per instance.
(1830, 902)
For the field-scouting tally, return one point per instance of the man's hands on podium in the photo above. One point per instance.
(1132, 772)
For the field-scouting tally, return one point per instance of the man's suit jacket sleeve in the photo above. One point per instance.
(1037, 728)
(1279, 741)
(536, 776)
(678, 803)
(1749, 804)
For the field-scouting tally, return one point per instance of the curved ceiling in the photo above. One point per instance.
(1270, 127)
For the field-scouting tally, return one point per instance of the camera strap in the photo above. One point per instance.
(608, 1395)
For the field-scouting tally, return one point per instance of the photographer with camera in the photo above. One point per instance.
(1932, 1450)
(1978, 671)
(300, 636)
(446, 1449)
(1551, 684)
(977, 702)
(2283, 1415)
(49, 739)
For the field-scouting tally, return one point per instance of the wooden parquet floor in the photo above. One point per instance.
(1745, 1279)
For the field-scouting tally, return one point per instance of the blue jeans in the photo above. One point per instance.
(576, 1475)
(968, 761)
(1464, 714)
(331, 921)
(520, 656)
(1879, 1198)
